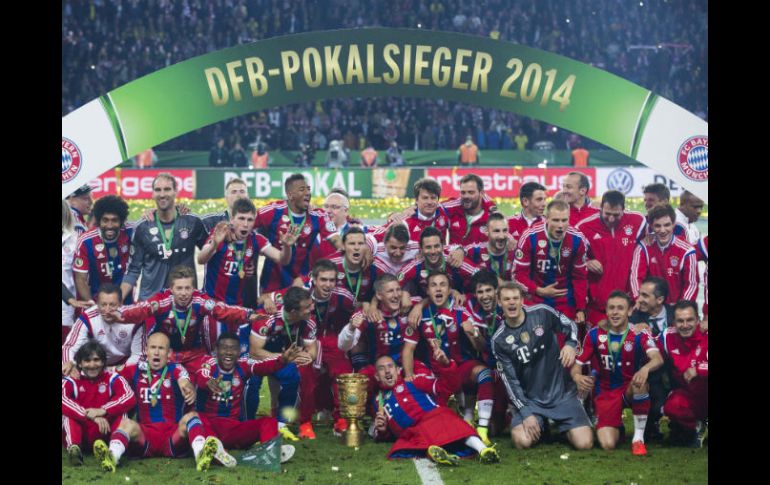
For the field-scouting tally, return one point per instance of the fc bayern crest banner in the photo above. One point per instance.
(384, 62)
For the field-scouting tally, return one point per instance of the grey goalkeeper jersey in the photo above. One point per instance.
(528, 358)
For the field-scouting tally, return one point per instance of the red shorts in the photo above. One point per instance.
(84, 434)
(241, 434)
(608, 406)
(335, 360)
(465, 369)
(159, 439)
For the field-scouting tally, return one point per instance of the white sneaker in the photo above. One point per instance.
(287, 451)
(223, 456)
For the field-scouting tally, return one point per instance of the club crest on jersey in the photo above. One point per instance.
(102, 388)
(236, 381)
(122, 334)
(628, 346)
(693, 158)
(330, 226)
(674, 261)
(167, 383)
(400, 388)
(566, 252)
(249, 253)
(184, 233)
(628, 230)
(519, 253)
(340, 276)
(209, 305)
(483, 230)
(485, 257)
(307, 230)
(154, 231)
(542, 243)
(124, 249)
(510, 339)
(539, 331)
(71, 160)
(441, 222)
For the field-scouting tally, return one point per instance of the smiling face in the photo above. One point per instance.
(390, 296)
(427, 203)
(618, 311)
(228, 351)
(534, 206)
(336, 206)
(387, 372)
(109, 226)
(663, 228)
(432, 250)
(470, 197)
(498, 235)
(164, 194)
(107, 303)
(158, 349)
(182, 290)
(685, 322)
(91, 366)
(648, 302)
(324, 283)
(485, 294)
(571, 190)
(396, 249)
(611, 215)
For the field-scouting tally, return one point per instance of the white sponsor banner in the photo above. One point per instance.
(632, 180)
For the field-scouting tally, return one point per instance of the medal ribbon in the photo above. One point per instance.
(166, 241)
(558, 251)
(358, 282)
(286, 327)
(154, 394)
(301, 223)
(240, 256)
(183, 330)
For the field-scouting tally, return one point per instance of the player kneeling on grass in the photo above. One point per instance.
(92, 404)
(221, 382)
(616, 355)
(165, 425)
(408, 411)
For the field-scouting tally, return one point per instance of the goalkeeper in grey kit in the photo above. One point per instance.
(533, 370)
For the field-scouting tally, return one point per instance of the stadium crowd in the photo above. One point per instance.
(658, 44)
(549, 321)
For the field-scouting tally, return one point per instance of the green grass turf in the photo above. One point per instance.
(312, 465)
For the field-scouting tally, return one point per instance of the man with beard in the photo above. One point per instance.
(180, 313)
(551, 263)
(293, 214)
(494, 255)
(93, 402)
(405, 410)
(616, 355)
(667, 257)
(612, 234)
(532, 197)
(271, 336)
(164, 243)
(686, 349)
(221, 383)
(574, 190)
(532, 368)
(102, 254)
(164, 425)
(443, 326)
(351, 274)
(122, 342)
(468, 213)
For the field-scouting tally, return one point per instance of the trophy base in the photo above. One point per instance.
(353, 436)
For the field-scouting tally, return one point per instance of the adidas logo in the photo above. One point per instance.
(416, 228)
(675, 351)
(456, 224)
(101, 332)
(653, 260)
(541, 253)
(597, 236)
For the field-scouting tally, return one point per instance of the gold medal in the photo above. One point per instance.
(113, 252)
(153, 400)
(553, 252)
(241, 274)
(615, 346)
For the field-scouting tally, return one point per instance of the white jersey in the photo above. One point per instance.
(121, 340)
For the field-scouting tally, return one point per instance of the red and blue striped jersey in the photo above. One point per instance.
(169, 406)
(407, 402)
(385, 337)
(540, 263)
(417, 273)
(222, 280)
(103, 261)
(444, 324)
(161, 315)
(486, 323)
(502, 265)
(273, 220)
(330, 315)
(368, 277)
(274, 330)
(597, 351)
(227, 403)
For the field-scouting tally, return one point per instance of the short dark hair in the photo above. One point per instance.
(496, 216)
(243, 206)
(434, 273)
(178, 272)
(623, 295)
(472, 177)
(322, 265)
(293, 297)
(399, 232)
(164, 175)
(295, 177)
(383, 279)
(426, 183)
(483, 277)
(584, 183)
(684, 305)
(528, 190)
(109, 288)
(228, 336)
(660, 211)
(661, 286)
(110, 204)
(660, 190)
(430, 231)
(92, 346)
(353, 230)
(614, 198)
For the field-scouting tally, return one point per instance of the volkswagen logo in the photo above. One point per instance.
(621, 180)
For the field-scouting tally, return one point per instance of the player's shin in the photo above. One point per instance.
(641, 408)
(118, 444)
(196, 434)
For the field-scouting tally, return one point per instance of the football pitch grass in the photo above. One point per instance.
(326, 460)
